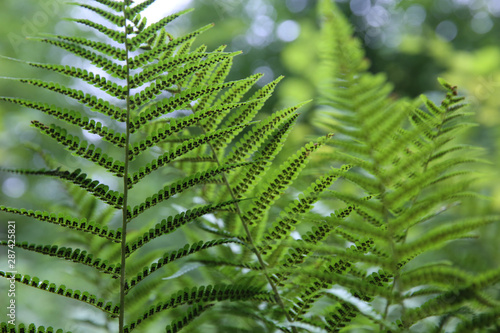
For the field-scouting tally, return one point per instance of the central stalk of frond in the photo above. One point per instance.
(125, 185)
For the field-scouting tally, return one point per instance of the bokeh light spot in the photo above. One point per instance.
(494, 7)
(14, 187)
(447, 30)
(377, 17)
(288, 31)
(268, 75)
(415, 15)
(481, 23)
(296, 6)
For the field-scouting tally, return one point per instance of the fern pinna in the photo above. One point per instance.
(408, 172)
(165, 116)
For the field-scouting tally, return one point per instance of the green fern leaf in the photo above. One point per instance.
(439, 235)
(74, 118)
(202, 294)
(178, 125)
(68, 222)
(99, 190)
(116, 5)
(180, 186)
(134, 42)
(178, 101)
(46, 285)
(166, 65)
(163, 83)
(96, 80)
(115, 35)
(288, 218)
(77, 256)
(81, 148)
(184, 148)
(173, 223)
(23, 328)
(104, 48)
(140, 7)
(107, 65)
(164, 50)
(91, 101)
(115, 19)
(192, 313)
(281, 180)
(174, 255)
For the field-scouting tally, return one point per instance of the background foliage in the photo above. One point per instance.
(412, 41)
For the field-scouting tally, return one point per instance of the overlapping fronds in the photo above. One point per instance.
(161, 107)
(409, 171)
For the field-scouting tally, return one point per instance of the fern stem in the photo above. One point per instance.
(121, 320)
(277, 296)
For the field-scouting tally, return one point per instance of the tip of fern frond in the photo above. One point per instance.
(301, 104)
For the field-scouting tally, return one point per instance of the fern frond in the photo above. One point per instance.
(141, 37)
(81, 148)
(192, 313)
(214, 74)
(437, 236)
(250, 178)
(77, 256)
(480, 321)
(202, 294)
(24, 328)
(357, 228)
(180, 186)
(97, 105)
(174, 255)
(233, 95)
(181, 150)
(154, 71)
(115, 5)
(246, 113)
(78, 295)
(165, 49)
(175, 126)
(69, 222)
(440, 276)
(99, 190)
(164, 82)
(281, 180)
(117, 20)
(173, 223)
(115, 35)
(140, 7)
(289, 217)
(96, 80)
(178, 101)
(72, 117)
(102, 62)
